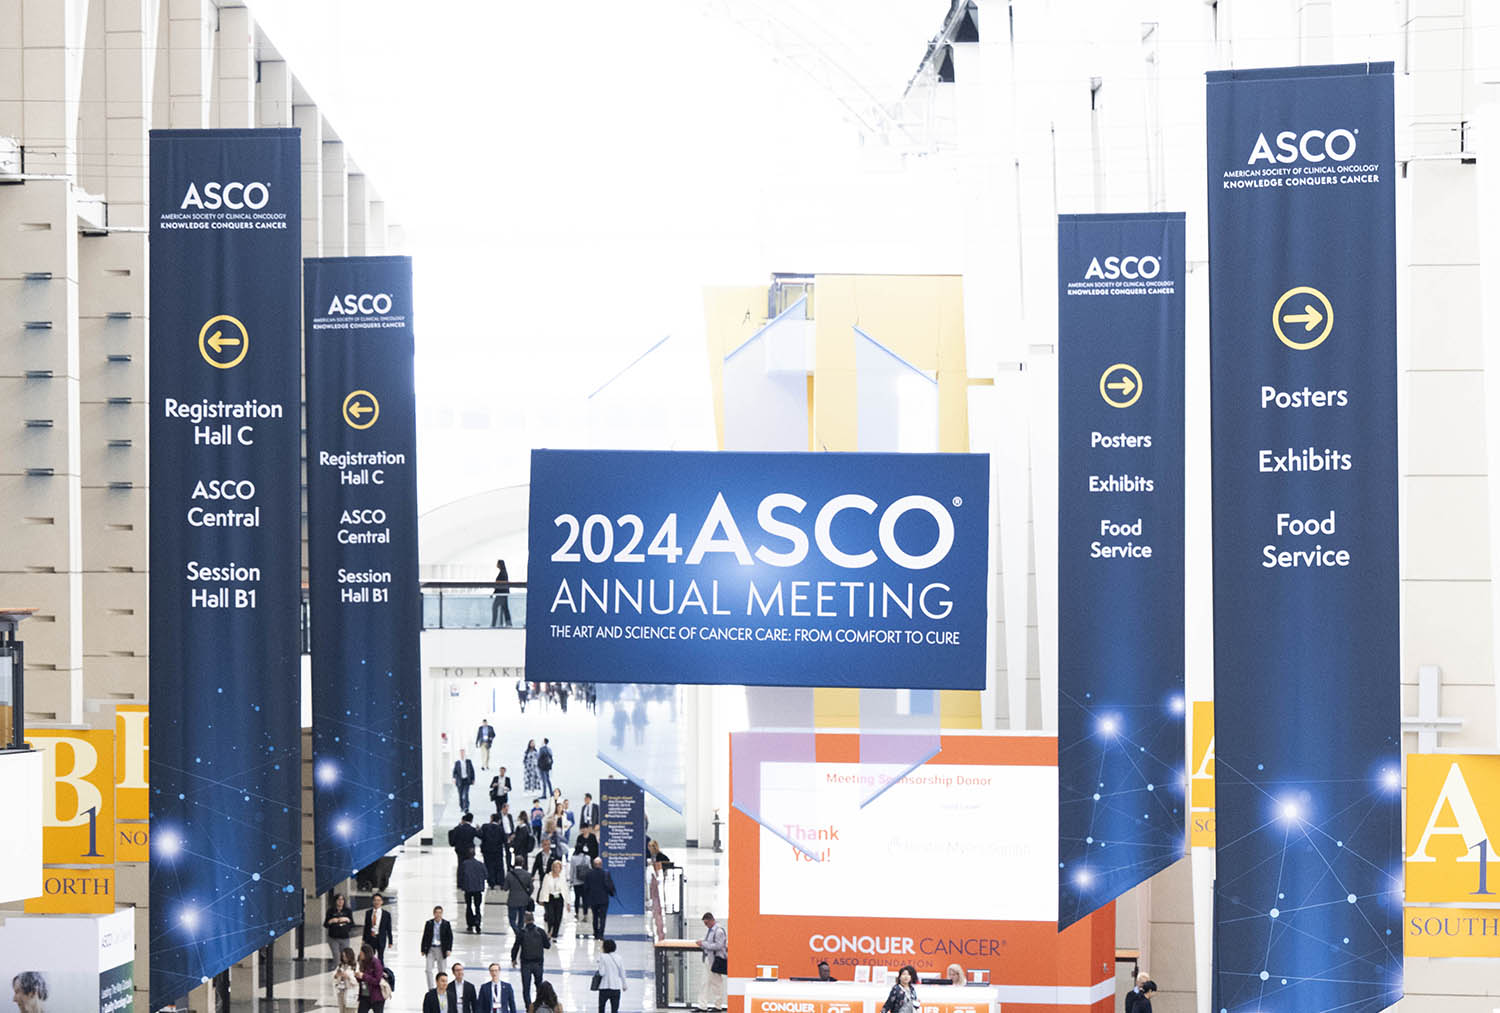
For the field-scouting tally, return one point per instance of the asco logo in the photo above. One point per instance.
(1309, 146)
(1124, 267)
(363, 304)
(1452, 805)
(235, 196)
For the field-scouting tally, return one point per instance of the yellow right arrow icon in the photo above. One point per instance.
(1307, 306)
(1309, 317)
(1120, 385)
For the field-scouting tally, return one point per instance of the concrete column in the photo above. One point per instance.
(375, 231)
(274, 94)
(128, 54)
(310, 121)
(1315, 31)
(40, 464)
(335, 196)
(359, 211)
(234, 51)
(190, 56)
(92, 147)
(44, 76)
(113, 411)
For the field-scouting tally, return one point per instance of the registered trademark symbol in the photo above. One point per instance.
(958, 501)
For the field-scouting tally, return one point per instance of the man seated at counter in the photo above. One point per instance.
(824, 972)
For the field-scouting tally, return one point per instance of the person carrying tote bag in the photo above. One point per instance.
(346, 980)
(609, 978)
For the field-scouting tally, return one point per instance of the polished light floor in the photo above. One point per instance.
(424, 877)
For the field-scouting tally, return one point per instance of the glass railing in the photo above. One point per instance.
(449, 605)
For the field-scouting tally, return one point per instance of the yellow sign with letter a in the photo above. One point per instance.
(1201, 829)
(1452, 805)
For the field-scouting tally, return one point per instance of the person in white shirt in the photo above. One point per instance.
(553, 895)
(612, 981)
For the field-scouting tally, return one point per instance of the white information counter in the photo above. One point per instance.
(852, 997)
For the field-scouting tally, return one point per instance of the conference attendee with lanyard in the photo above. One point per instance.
(463, 778)
(588, 813)
(496, 996)
(378, 932)
(484, 740)
(432, 1002)
(461, 995)
(715, 947)
(437, 943)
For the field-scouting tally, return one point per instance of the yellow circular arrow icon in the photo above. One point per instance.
(1302, 317)
(223, 341)
(1120, 385)
(361, 409)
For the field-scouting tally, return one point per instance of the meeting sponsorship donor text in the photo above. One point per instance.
(768, 554)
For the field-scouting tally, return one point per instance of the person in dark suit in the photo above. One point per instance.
(484, 739)
(1137, 1000)
(378, 934)
(521, 842)
(463, 778)
(496, 996)
(462, 837)
(500, 789)
(598, 888)
(462, 998)
(472, 880)
(542, 862)
(588, 813)
(432, 1002)
(437, 943)
(493, 848)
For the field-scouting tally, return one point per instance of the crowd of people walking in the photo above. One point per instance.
(541, 854)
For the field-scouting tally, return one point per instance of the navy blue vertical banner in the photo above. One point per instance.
(1302, 289)
(366, 617)
(1120, 711)
(226, 738)
(622, 843)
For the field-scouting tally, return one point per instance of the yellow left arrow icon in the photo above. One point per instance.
(223, 341)
(357, 405)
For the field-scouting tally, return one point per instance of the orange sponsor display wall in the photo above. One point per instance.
(939, 839)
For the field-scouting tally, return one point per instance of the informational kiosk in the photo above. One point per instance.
(862, 885)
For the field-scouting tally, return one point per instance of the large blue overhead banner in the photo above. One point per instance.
(226, 780)
(788, 569)
(1120, 708)
(1301, 181)
(362, 553)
